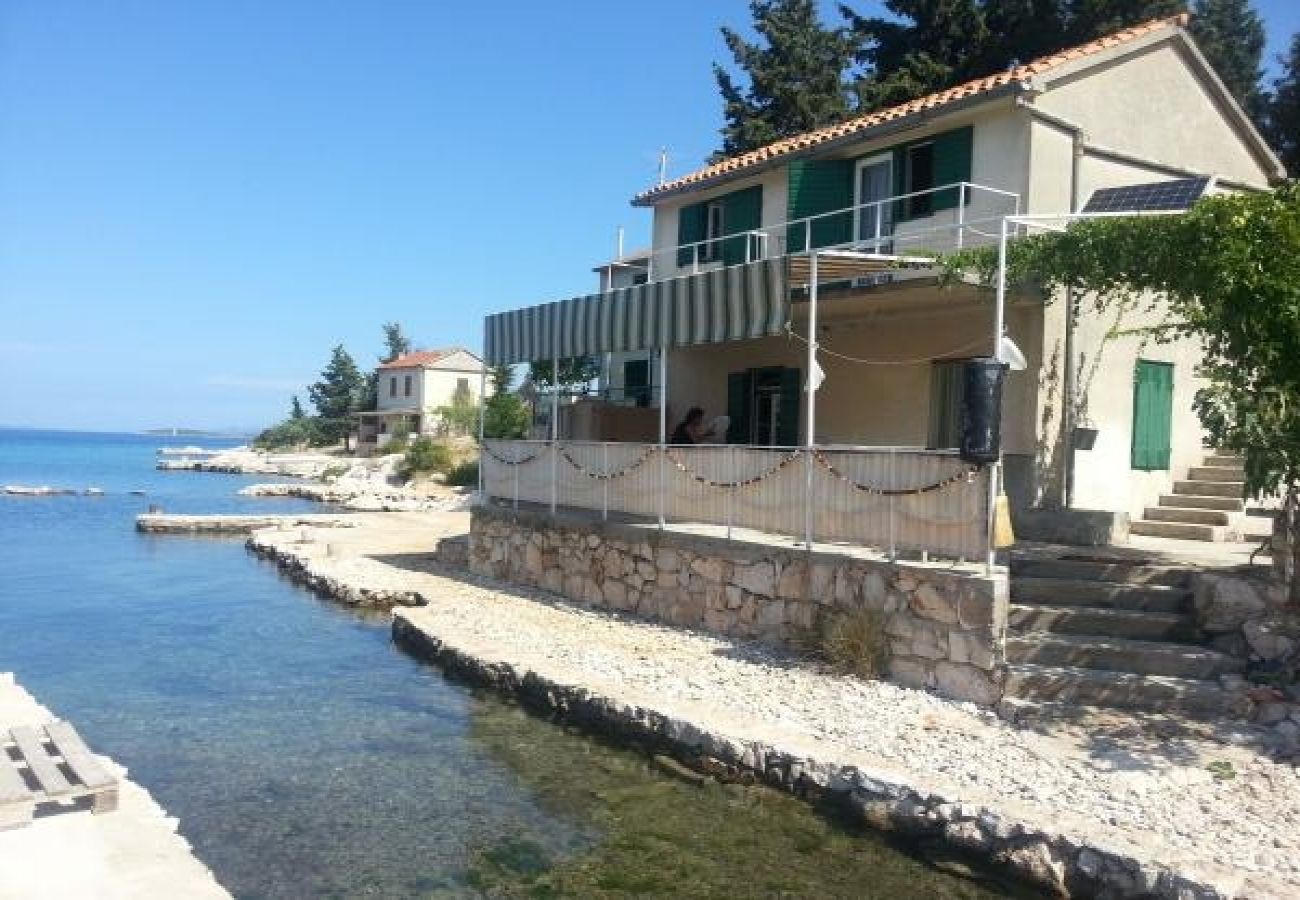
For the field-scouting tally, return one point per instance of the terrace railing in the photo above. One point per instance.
(901, 501)
(889, 227)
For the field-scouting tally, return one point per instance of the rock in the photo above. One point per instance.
(967, 835)
(908, 672)
(962, 682)
(1036, 861)
(757, 578)
(709, 568)
(972, 647)
(928, 603)
(793, 580)
(1224, 603)
(1267, 641)
(1271, 713)
(666, 560)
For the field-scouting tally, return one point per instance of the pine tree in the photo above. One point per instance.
(1283, 121)
(295, 411)
(793, 80)
(338, 395)
(1231, 35)
(1085, 20)
(503, 379)
(395, 341)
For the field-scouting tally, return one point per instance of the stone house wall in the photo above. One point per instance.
(944, 627)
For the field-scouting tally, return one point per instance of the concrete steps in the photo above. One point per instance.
(1195, 501)
(1083, 592)
(1110, 631)
(1210, 488)
(1120, 655)
(1190, 697)
(1026, 618)
(1186, 516)
(1184, 531)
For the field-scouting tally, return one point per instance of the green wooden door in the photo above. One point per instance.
(1153, 413)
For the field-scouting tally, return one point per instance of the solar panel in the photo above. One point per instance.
(1157, 195)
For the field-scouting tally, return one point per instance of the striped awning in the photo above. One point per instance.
(732, 304)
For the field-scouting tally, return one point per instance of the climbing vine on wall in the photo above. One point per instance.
(1230, 268)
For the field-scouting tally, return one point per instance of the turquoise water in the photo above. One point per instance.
(306, 757)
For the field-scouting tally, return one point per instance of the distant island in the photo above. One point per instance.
(189, 432)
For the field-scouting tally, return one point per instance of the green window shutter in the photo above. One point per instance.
(691, 224)
(740, 399)
(741, 211)
(819, 186)
(952, 163)
(787, 420)
(901, 211)
(1153, 407)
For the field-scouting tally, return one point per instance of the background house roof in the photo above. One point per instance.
(743, 162)
(426, 359)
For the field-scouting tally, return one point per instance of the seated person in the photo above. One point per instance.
(691, 430)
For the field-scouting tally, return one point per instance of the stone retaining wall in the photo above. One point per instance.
(943, 627)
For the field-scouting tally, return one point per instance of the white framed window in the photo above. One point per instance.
(715, 225)
(874, 184)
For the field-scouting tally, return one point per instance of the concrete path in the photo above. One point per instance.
(133, 853)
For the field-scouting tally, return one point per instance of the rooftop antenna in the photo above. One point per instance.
(663, 164)
(619, 255)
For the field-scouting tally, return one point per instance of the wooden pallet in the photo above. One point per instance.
(49, 766)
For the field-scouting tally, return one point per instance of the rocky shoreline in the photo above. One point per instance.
(1112, 811)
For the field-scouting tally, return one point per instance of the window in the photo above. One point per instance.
(636, 382)
(918, 175)
(945, 404)
(406, 387)
(715, 225)
(392, 386)
(640, 278)
(462, 387)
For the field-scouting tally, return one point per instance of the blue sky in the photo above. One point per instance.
(199, 199)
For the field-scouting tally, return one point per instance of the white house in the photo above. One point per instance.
(725, 311)
(413, 387)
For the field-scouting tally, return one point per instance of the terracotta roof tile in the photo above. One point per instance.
(420, 358)
(790, 145)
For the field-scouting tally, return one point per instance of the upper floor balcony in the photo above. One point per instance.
(884, 231)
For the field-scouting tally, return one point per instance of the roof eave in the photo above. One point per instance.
(884, 129)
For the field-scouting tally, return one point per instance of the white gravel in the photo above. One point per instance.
(1121, 785)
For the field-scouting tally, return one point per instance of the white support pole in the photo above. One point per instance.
(663, 425)
(961, 215)
(999, 313)
(555, 430)
(482, 416)
(811, 419)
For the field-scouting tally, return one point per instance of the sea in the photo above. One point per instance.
(305, 756)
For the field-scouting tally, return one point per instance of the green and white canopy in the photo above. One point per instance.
(731, 304)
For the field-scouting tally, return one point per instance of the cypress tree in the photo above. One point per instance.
(338, 394)
(295, 411)
(1283, 121)
(793, 79)
(1231, 35)
(396, 343)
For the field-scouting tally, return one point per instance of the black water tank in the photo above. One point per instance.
(981, 410)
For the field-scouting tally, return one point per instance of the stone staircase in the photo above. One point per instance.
(1098, 632)
(1204, 507)
(1208, 506)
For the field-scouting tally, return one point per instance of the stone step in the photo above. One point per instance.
(1102, 594)
(1183, 514)
(1210, 488)
(1120, 655)
(1115, 570)
(1093, 687)
(1180, 530)
(1192, 501)
(1027, 618)
(1215, 473)
(1225, 461)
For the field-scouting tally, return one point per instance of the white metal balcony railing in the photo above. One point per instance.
(876, 227)
(898, 500)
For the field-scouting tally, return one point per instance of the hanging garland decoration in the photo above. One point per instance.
(746, 482)
(607, 476)
(964, 475)
(508, 462)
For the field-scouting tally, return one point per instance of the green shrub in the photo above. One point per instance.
(425, 456)
(464, 474)
(289, 434)
(331, 472)
(854, 642)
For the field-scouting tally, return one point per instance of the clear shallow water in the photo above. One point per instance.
(306, 757)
